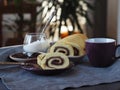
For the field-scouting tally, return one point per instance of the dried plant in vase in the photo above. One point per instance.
(70, 15)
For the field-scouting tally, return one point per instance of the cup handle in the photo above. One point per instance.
(117, 57)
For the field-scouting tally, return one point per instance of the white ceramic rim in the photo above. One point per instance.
(100, 40)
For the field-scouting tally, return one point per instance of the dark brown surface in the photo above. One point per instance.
(100, 18)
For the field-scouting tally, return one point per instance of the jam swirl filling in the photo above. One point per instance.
(62, 50)
(76, 51)
(54, 61)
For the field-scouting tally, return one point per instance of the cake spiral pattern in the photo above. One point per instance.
(76, 43)
(50, 61)
(62, 48)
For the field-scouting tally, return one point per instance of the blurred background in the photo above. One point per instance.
(95, 18)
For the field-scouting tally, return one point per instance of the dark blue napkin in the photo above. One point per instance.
(16, 78)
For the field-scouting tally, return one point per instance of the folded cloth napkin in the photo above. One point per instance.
(16, 78)
(5, 52)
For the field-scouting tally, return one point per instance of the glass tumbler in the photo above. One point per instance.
(35, 43)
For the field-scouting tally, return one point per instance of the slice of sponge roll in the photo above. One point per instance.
(76, 49)
(75, 38)
(52, 61)
(78, 39)
(62, 48)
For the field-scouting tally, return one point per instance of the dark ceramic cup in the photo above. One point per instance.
(101, 51)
